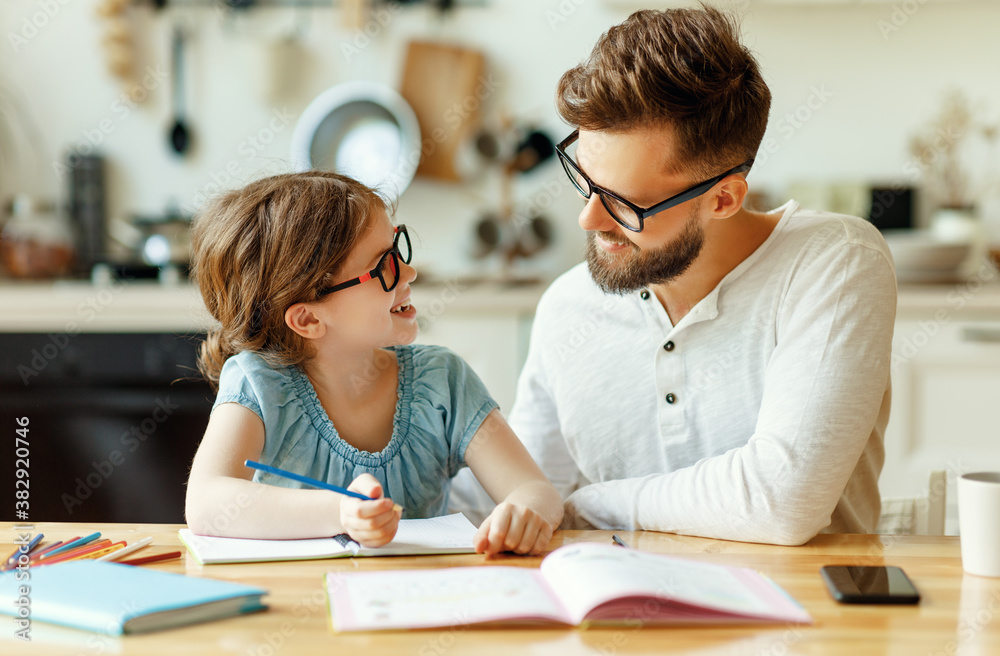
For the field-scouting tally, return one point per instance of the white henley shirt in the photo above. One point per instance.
(759, 417)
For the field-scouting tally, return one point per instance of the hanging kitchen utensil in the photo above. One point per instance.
(446, 87)
(180, 135)
(535, 148)
(487, 235)
(535, 236)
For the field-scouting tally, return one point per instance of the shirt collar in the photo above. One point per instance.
(707, 308)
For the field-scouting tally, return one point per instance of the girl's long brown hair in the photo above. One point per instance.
(260, 249)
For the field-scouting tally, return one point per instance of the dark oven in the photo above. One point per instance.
(113, 423)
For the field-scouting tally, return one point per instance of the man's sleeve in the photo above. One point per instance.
(823, 390)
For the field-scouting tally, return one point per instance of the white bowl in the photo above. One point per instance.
(920, 251)
(361, 129)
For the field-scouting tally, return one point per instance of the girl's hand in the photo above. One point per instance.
(369, 523)
(513, 527)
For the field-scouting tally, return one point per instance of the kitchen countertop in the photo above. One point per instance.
(78, 306)
(74, 306)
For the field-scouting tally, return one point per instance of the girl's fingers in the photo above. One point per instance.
(542, 540)
(519, 524)
(367, 485)
(376, 536)
(372, 509)
(369, 518)
(498, 529)
(529, 536)
(480, 541)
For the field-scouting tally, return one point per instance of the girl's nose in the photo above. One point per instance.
(406, 272)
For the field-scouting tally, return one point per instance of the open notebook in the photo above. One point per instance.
(575, 584)
(437, 535)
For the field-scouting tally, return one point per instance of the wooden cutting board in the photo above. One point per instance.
(446, 87)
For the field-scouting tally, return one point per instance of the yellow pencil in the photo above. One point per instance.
(96, 554)
(132, 548)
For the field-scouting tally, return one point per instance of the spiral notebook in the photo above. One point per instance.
(450, 534)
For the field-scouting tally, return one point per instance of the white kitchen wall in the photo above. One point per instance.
(861, 77)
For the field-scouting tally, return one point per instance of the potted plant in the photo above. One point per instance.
(948, 153)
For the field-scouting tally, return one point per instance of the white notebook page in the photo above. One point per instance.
(448, 534)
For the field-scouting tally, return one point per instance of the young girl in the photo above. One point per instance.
(316, 374)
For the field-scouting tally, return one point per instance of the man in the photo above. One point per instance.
(709, 370)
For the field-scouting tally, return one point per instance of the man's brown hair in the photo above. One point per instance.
(682, 68)
(261, 249)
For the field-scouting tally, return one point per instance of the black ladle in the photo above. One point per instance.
(180, 137)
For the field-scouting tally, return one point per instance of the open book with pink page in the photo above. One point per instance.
(576, 584)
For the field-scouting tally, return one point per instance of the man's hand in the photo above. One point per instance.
(369, 523)
(513, 527)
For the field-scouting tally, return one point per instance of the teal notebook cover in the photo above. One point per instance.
(114, 599)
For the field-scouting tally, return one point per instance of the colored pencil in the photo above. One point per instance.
(11, 560)
(41, 552)
(106, 551)
(132, 548)
(73, 554)
(151, 559)
(44, 553)
(311, 481)
(35, 543)
(73, 544)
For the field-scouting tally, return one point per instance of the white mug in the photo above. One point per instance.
(979, 522)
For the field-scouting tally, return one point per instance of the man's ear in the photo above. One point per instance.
(303, 321)
(729, 198)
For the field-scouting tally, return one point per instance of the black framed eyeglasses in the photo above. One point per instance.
(387, 269)
(626, 214)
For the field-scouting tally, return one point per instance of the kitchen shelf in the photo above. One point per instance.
(244, 5)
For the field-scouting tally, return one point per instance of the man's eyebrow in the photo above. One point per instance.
(627, 197)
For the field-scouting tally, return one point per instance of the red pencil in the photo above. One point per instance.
(76, 553)
(151, 559)
(47, 549)
(35, 557)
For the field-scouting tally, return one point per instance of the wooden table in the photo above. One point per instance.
(957, 615)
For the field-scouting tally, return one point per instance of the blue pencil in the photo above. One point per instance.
(72, 545)
(17, 552)
(310, 481)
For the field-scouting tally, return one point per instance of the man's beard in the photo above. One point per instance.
(629, 271)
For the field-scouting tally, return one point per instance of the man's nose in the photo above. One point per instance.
(595, 216)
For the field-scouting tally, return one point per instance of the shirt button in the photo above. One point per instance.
(644, 294)
(671, 398)
(669, 346)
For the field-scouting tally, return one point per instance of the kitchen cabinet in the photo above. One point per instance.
(946, 379)
(495, 344)
(112, 422)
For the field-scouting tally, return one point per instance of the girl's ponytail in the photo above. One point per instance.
(212, 354)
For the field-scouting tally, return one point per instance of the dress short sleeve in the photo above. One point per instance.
(450, 398)
(248, 380)
(236, 386)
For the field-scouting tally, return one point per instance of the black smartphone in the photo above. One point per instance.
(869, 585)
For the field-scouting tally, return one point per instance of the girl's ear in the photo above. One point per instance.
(304, 322)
